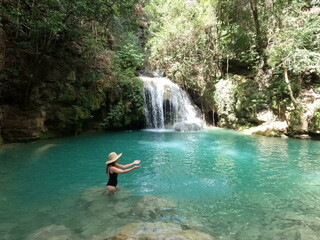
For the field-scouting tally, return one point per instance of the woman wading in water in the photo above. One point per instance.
(113, 168)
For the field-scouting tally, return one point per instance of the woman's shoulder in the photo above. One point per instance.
(113, 168)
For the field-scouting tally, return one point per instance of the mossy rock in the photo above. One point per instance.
(117, 125)
(315, 123)
(156, 231)
(53, 232)
(127, 121)
(295, 120)
(50, 135)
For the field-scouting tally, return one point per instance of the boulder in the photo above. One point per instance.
(187, 126)
(97, 200)
(266, 116)
(272, 129)
(157, 231)
(297, 232)
(306, 120)
(53, 232)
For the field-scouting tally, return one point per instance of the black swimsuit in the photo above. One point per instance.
(113, 178)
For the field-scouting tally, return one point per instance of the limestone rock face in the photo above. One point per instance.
(266, 116)
(157, 231)
(53, 232)
(2, 47)
(306, 120)
(18, 125)
(272, 129)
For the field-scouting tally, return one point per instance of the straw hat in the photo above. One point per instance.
(113, 157)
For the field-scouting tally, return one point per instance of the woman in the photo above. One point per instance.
(113, 168)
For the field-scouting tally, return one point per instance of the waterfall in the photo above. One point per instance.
(167, 106)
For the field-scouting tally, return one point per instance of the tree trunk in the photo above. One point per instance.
(255, 15)
(286, 78)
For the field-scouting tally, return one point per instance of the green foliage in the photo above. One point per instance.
(250, 98)
(316, 121)
(186, 44)
(278, 89)
(63, 58)
(115, 116)
(80, 57)
(128, 110)
(296, 46)
(129, 54)
(295, 117)
(236, 31)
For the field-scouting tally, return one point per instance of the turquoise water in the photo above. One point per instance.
(220, 182)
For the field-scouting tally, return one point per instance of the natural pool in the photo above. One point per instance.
(219, 182)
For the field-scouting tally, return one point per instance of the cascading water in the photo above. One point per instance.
(167, 106)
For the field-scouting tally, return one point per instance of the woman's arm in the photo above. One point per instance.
(127, 165)
(117, 170)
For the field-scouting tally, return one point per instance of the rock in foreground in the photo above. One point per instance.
(53, 232)
(157, 231)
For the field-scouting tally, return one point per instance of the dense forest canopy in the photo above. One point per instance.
(69, 58)
(74, 63)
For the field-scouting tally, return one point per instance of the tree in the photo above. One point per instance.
(294, 49)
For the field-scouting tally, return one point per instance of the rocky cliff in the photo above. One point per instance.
(241, 105)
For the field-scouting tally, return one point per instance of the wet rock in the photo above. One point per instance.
(309, 221)
(297, 232)
(187, 126)
(157, 231)
(18, 125)
(273, 129)
(102, 212)
(302, 136)
(152, 74)
(93, 194)
(97, 199)
(151, 206)
(53, 232)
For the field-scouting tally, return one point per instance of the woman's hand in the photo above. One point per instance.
(136, 162)
(135, 167)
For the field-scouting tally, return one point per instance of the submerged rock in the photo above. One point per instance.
(151, 205)
(297, 232)
(53, 232)
(97, 200)
(100, 212)
(157, 231)
(93, 194)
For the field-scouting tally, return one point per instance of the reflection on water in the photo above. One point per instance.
(215, 182)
